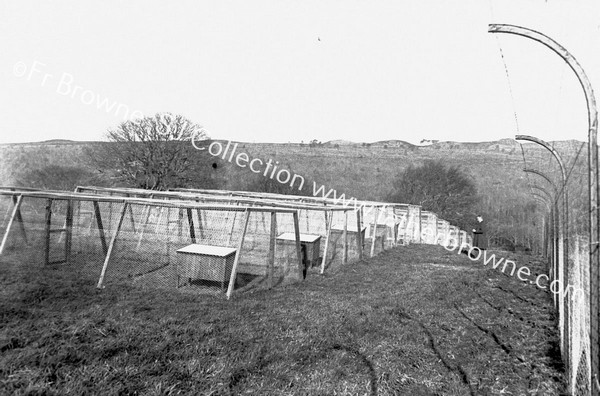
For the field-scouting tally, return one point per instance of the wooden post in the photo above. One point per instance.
(359, 240)
(131, 217)
(110, 216)
(190, 217)
(144, 226)
(100, 226)
(395, 228)
(19, 218)
(68, 231)
(237, 256)
(419, 237)
(48, 224)
(345, 238)
(298, 245)
(200, 227)
(112, 245)
(328, 222)
(232, 228)
(179, 223)
(10, 222)
(271, 257)
(374, 236)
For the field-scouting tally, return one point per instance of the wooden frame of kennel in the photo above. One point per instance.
(71, 197)
(358, 206)
(328, 211)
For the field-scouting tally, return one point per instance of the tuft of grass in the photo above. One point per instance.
(414, 320)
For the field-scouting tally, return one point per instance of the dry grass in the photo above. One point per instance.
(415, 320)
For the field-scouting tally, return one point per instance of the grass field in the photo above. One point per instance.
(414, 320)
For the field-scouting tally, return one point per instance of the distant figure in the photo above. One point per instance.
(479, 239)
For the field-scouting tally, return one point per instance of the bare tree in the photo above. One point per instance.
(442, 189)
(157, 152)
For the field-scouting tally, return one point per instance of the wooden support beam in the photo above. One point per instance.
(232, 228)
(68, 231)
(237, 256)
(112, 245)
(180, 223)
(190, 216)
(271, 256)
(374, 236)
(203, 221)
(48, 226)
(16, 208)
(132, 218)
(20, 219)
(100, 226)
(301, 268)
(110, 210)
(328, 223)
(200, 227)
(144, 226)
(359, 236)
(345, 239)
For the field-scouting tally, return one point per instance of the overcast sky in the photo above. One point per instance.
(279, 71)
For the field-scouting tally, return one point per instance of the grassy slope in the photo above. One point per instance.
(368, 173)
(414, 320)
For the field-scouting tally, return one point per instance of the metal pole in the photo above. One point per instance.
(594, 186)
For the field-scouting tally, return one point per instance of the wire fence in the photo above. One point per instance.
(199, 243)
(564, 210)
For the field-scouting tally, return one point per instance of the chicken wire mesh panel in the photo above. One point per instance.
(255, 249)
(22, 230)
(6, 207)
(344, 250)
(190, 248)
(578, 316)
(403, 225)
(452, 238)
(386, 218)
(408, 224)
(312, 225)
(379, 230)
(568, 257)
(578, 337)
(428, 228)
(46, 239)
(414, 223)
(443, 231)
(109, 242)
(311, 222)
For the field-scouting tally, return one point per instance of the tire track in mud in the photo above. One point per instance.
(456, 369)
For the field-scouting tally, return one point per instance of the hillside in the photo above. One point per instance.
(361, 170)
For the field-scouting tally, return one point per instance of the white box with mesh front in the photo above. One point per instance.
(205, 262)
